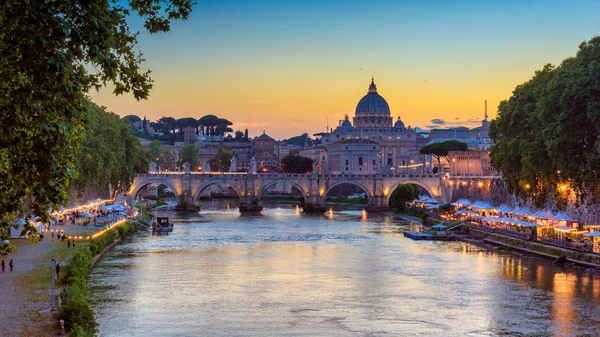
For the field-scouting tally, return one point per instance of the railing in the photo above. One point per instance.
(286, 175)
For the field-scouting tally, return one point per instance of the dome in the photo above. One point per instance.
(372, 104)
(345, 125)
(399, 123)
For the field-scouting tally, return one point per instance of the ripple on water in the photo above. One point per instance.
(282, 273)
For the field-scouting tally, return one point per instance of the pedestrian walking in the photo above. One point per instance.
(68, 243)
(3, 266)
(73, 244)
(57, 270)
(10, 264)
(52, 235)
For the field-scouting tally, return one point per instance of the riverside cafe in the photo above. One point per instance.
(423, 201)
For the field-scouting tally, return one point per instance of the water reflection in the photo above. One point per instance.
(338, 274)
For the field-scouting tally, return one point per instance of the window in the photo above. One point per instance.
(360, 161)
(374, 162)
(346, 161)
(346, 169)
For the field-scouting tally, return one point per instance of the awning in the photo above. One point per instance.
(564, 229)
(438, 226)
(592, 234)
(564, 217)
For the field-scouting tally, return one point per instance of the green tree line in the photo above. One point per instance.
(52, 53)
(546, 132)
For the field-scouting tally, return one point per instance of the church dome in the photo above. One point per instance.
(372, 104)
(399, 123)
(345, 125)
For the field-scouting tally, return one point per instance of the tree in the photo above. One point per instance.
(301, 140)
(52, 52)
(182, 123)
(246, 135)
(296, 164)
(440, 150)
(131, 119)
(109, 154)
(239, 136)
(154, 151)
(402, 194)
(547, 132)
(167, 124)
(209, 121)
(222, 160)
(189, 154)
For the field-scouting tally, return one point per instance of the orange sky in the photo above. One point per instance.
(288, 73)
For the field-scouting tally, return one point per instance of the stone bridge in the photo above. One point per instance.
(313, 187)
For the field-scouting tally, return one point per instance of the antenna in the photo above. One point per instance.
(486, 115)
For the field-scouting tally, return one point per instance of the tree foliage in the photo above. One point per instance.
(298, 140)
(296, 164)
(189, 154)
(131, 118)
(222, 161)
(546, 133)
(51, 54)
(440, 150)
(109, 153)
(402, 194)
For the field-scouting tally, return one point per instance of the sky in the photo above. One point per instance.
(289, 67)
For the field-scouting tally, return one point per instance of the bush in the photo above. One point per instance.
(75, 309)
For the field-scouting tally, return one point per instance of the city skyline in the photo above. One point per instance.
(287, 69)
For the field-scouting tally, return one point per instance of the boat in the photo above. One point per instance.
(162, 226)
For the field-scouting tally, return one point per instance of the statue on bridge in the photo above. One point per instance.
(187, 168)
(253, 165)
(152, 167)
(233, 166)
(206, 167)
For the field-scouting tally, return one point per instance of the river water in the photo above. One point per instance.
(346, 273)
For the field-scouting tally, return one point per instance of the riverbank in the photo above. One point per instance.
(404, 217)
(537, 248)
(25, 293)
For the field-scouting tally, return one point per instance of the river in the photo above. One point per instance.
(345, 273)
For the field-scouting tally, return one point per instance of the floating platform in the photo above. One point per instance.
(418, 236)
(426, 236)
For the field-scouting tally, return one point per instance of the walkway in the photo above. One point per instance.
(16, 301)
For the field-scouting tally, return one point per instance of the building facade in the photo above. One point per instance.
(393, 146)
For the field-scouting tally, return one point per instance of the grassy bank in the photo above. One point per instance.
(76, 309)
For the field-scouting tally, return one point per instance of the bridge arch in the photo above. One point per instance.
(267, 185)
(223, 187)
(135, 190)
(431, 190)
(367, 191)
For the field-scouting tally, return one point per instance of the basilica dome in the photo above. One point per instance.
(372, 104)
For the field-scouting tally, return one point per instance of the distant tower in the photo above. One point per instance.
(486, 115)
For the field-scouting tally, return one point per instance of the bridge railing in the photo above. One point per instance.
(296, 175)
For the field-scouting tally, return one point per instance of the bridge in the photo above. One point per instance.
(250, 187)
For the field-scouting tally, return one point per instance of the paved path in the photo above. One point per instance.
(14, 297)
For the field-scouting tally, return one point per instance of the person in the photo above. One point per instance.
(73, 244)
(57, 270)
(3, 266)
(52, 235)
(10, 264)
(68, 243)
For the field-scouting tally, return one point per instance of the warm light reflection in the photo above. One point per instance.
(364, 215)
(330, 214)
